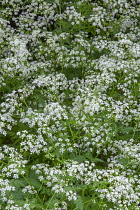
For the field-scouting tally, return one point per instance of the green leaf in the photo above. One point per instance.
(126, 129)
(98, 160)
(46, 191)
(90, 157)
(78, 158)
(79, 203)
(18, 183)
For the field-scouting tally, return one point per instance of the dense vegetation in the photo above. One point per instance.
(69, 104)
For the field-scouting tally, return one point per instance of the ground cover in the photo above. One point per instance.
(69, 104)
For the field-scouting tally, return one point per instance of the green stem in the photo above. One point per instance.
(31, 186)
